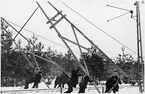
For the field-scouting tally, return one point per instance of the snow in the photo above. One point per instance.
(124, 89)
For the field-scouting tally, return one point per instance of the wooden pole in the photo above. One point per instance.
(80, 50)
(80, 46)
(32, 51)
(24, 55)
(14, 29)
(26, 22)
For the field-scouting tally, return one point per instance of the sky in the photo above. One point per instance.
(122, 29)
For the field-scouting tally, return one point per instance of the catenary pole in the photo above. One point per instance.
(139, 49)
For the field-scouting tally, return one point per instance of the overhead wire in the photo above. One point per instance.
(98, 27)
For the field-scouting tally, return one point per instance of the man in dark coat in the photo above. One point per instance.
(29, 78)
(83, 84)
(37, 79)
(112, 84)
(61, 80)
(72, 82)
(74, 77)
(58, 81)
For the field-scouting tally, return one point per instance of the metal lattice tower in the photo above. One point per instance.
(139, 49)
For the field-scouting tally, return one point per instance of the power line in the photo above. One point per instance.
(98, 27)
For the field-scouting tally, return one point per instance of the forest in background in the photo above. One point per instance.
(14, 65)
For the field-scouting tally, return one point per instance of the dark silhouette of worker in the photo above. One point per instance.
(113, 83)
(61, 80)
(37, 79)
(73, 81)
(74, 77)
(29, 78)
(83, 84)
(58, 81)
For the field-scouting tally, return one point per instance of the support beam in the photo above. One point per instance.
(32, 51)
(24, 55)
(99, 54)
(83, 58)
(14, 29)
(80, 50)
(58, 66)
(50, 61)
(26, 22)
(74, 43)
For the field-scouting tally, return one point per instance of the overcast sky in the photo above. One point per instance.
(122, 29)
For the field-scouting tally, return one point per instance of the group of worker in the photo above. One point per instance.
(111, 83)
(33, 76)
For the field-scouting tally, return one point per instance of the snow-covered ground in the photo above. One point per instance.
(124, 89)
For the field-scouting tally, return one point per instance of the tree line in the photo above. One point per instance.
(14, 65)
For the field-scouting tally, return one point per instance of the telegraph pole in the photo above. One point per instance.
(139, 49)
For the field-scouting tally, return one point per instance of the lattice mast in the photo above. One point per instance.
(139, 49)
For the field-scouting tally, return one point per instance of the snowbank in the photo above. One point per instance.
(124, 89)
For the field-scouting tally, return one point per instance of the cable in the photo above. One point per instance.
(98, 28)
